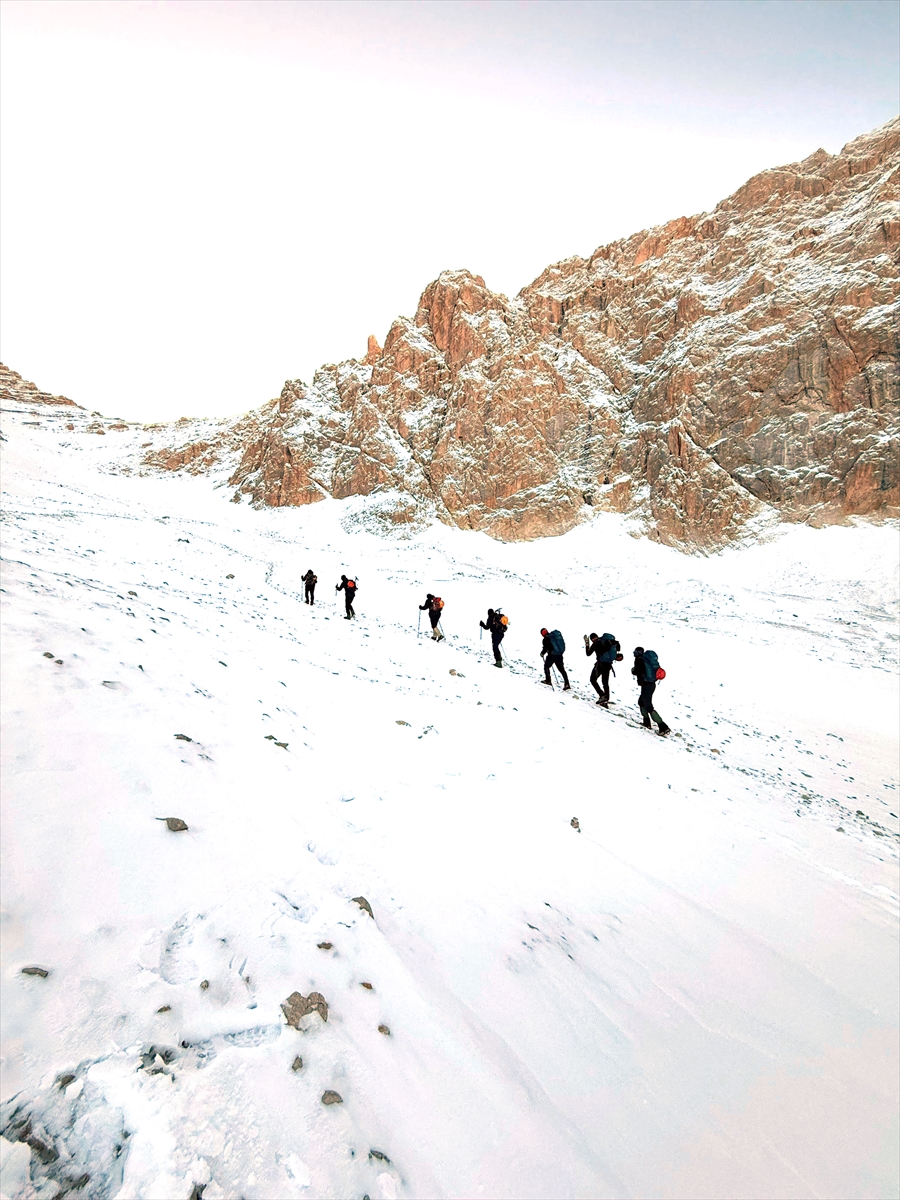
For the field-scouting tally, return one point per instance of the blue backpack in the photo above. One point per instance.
(558, 642)
(652, 668)
(609, 648)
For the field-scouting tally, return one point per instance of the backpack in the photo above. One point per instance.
(653, 672)
(351, 585)
(504, 621)
(609, 649)
(558, 642)
(437, 603)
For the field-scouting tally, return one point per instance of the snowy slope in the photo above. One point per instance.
(694, 996)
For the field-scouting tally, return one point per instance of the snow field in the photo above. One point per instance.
(693, 996)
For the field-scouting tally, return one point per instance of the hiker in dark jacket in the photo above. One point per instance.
(606, 649)
(349, 588)
(552, 650)
(646, 665)
(433, 606)
(497, 630)
(309, 581)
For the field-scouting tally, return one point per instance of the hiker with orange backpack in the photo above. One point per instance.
(553, 648)
(647, 673)
(496, 625)
(433, 606)
(349, 588)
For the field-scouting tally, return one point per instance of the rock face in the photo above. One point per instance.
(14, 387)
(706, 377)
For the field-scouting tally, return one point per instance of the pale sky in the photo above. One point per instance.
(201, 200)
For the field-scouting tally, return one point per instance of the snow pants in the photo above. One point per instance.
(601, 671)
(555, 660)
(310, 593)
(348, 604)
(496, 639)
(645, 704)
(434, 615)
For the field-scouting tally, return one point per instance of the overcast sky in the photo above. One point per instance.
(200, 200)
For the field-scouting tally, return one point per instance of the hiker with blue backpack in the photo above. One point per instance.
(607, 650)
(553, 648)
(647, 673)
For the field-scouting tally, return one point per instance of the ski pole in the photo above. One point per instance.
(419, 624)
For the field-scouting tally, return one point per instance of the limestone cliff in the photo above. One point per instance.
(705, 376)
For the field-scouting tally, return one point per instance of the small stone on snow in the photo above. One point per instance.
(298, 1006)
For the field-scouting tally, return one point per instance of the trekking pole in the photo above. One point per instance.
(419, 624)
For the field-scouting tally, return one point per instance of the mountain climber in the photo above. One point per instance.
(607, 650)
(647, 671)
(309, 581)
(553, 648)
(349, 588)
(433, 606)
(496, 626)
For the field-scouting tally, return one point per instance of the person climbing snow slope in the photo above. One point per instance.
(647, 671)
(349, 588)
(553, 648)
(496, 626)
(309, 581)
(433, 606)
(607, 650)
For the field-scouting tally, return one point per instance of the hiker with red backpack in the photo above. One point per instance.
(607, 650)
(553, 648)
(349, 588)
(433, 606)
(496, 625)
(647, 673)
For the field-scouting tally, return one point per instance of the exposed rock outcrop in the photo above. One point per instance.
(715, 371)
(706, 377)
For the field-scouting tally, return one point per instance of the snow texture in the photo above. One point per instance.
(690, 991)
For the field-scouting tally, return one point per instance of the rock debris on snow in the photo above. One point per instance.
(364, 905)
(174, 824)
(297, 1006)
(575, 825)
(330, 1097)
(297, 1064)
(41, 971)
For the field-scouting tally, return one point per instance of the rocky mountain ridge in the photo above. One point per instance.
(706, 377)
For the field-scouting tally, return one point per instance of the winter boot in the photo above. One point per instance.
(646, 720)
(497, 663)
(547, 683)
(567, 688)
(663, 728)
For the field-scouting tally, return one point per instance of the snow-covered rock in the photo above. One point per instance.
(709, 377)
